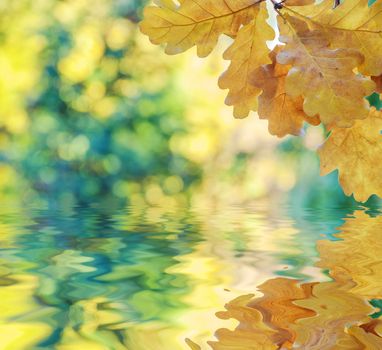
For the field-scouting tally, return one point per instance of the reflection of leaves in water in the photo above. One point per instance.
(192, 345)
(336, 309)
(252, 332)
(368, 335)
(265, 321)
(358, 253)
(317, 316)
(322, 315)
(278, 308)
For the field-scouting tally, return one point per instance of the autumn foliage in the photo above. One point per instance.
(327, 61)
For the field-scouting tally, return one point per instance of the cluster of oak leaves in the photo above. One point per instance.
(328, 61)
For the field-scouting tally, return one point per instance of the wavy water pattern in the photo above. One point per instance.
(151, 278)
(337, 314)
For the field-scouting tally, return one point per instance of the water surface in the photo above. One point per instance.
(147, 278)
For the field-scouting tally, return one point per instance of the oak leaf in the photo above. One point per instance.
(195, 22)
(353, 25)
(356, 152)
(324, 76)
(248, 52)
(284, 113)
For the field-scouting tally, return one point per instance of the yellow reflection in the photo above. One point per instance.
(22, 336)
(358, 252)
(15, 300)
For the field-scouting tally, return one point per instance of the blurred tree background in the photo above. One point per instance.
(90, 109)
(87, 109)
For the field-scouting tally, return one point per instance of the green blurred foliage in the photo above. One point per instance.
(93, 106)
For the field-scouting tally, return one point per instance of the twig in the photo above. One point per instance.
(336, 3)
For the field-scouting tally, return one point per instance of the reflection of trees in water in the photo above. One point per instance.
(96, 275)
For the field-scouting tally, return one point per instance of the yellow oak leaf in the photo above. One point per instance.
(284, 113)
(358, 253)
(248, 52)
(354, 24)
(356, 152)
(324, 76)
(195, 22)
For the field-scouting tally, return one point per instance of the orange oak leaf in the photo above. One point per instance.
(355, 25)
(324, 76)
(356, 152)
(284, 113)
